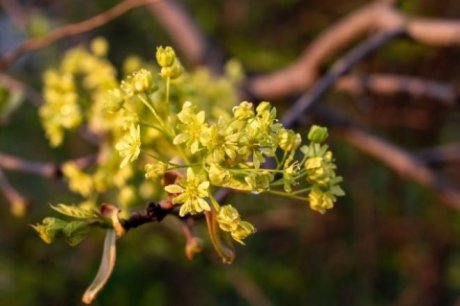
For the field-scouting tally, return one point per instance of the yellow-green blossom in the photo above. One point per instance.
(320, 200)
(165, 56)
(230, 221)
(191, 194)
(244, 110)
(320, 169)
(289, 176)
(228, 218)
(259, 181)
(288, 140)
(243, 230)
(79, 181)
(155, 170)
(129, 146)
(220, 142)
(191, 127)
(218, 175)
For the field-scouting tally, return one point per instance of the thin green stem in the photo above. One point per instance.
(168, 81)
(254, 170)
(214, 202)
(301, 190)
(288, 195)
(153, 126)
(282, 160)
(152, 110)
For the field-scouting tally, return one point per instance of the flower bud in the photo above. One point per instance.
(165, 56)
(317, 133)
(99, 46)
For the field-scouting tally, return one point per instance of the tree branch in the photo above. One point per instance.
(377, 16)
(391, 84)
(17, 201)
(71, 30)
(342, 66)
(182, 29)
(402, 162)
(45, 169)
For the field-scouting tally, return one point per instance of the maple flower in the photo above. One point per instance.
(192, 127)
(129, 146)
(191, 193)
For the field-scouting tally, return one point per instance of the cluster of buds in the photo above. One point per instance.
(170, 65)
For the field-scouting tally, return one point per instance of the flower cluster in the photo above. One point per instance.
(320, 172)
(168, 135)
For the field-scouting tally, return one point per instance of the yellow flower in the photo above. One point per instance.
(320, 169)
(243, 230)
(191, 194)
(244, 110)
(320, 201)
(228, 218)
(230, 221)
(129, 147)
(288, 140)
(155, 171)
(192, 127)
(220, 143)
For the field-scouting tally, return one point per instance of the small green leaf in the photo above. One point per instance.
(76, 212)
(49, 228)
(75, 232)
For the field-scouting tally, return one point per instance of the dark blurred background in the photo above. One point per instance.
(387, 242)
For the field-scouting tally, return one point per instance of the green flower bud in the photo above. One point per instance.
(165, 56)
(317, 133)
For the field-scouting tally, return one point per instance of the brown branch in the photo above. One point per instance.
(391, 84)
(17, 201)
(378, 16)
(441, 155)
(307, 100)
(45, 169)
(182, 29)
(71, 30)
(402, 162)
